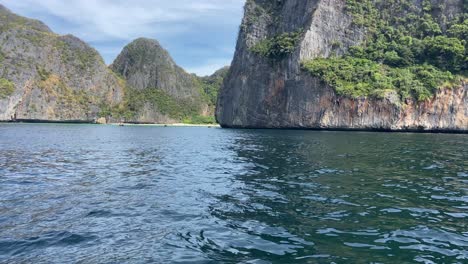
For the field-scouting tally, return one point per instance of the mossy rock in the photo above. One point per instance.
(7, 88)
(278, 46)
(411, 48)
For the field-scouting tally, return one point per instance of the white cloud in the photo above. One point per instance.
(117, 19)
(209, 67)
(196, 32)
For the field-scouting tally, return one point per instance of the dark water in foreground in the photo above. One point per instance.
(101, 194)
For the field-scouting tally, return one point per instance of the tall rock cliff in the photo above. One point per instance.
(369, 78)
(158, 90)
(49, 77)
(45, 76)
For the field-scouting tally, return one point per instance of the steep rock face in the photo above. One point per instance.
(262, 93)
(159, 91)
(144, 63)
(54, 78)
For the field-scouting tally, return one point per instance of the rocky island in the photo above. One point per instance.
(46, 77)
(141, 189)
(336, 64)
(321, 64)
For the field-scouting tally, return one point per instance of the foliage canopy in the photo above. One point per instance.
(409, 50)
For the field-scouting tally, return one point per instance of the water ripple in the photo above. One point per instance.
(100, 194)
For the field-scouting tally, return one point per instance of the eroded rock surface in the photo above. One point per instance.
(55, 78)
(152, 74)
(263, 93)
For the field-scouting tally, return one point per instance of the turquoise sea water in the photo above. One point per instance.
(104, 194)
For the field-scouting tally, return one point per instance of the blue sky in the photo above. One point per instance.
(199, 34)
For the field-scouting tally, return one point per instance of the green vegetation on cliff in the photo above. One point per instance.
(160, 91)
(136, 100)
(410, 49)
(160, 100)
(356, 77)
(54, 88)
(81, 56)
(53, 77)
(6, 88)
(9, 21)
(279, 46)
(210, 85)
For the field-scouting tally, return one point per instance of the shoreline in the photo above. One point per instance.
(75, 122)
(165, 125)
(376, 130)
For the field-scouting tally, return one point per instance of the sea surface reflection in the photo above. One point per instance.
(103, 194)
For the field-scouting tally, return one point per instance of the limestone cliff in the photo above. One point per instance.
(158, 90)
(144, 63)
(265, 92)
(45, 76)
(48, 77)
